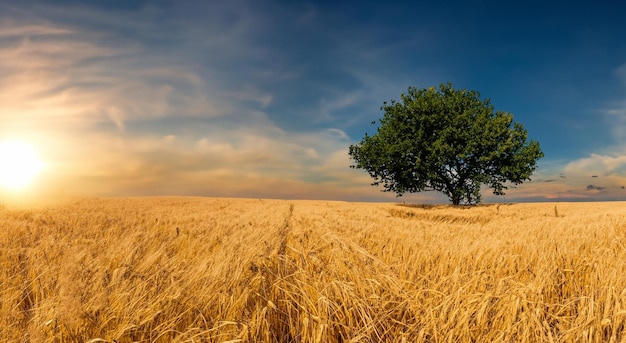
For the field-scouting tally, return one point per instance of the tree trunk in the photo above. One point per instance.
(455, 198)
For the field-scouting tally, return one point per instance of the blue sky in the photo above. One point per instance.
(263, 98)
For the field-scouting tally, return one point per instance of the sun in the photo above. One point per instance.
(19, 164)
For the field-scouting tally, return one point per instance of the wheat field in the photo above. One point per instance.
(254, 270)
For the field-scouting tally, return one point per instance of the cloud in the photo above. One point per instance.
(338, 133)
(119, 110)
(10, 28)
(595, 188)
(254, 95)
(608, 168)
(610, 164)
(257, 161)
(327, 108)
(75, 76)
(239, 162)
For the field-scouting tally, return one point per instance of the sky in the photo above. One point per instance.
(262, 98)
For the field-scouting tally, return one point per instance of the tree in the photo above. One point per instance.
(448, 141)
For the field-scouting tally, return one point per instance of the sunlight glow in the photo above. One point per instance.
(19, 163)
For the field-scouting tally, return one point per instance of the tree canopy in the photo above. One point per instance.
(446, 140)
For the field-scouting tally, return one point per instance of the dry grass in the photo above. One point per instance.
(244, 270)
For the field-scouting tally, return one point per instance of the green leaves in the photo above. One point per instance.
(446, 140)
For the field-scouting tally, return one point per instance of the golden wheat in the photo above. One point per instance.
(251, 270)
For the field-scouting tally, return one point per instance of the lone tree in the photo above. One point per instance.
(449, 141)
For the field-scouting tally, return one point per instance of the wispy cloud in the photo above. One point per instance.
(74, 76)
(237, 162)
(11, 28)
(597, 177)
